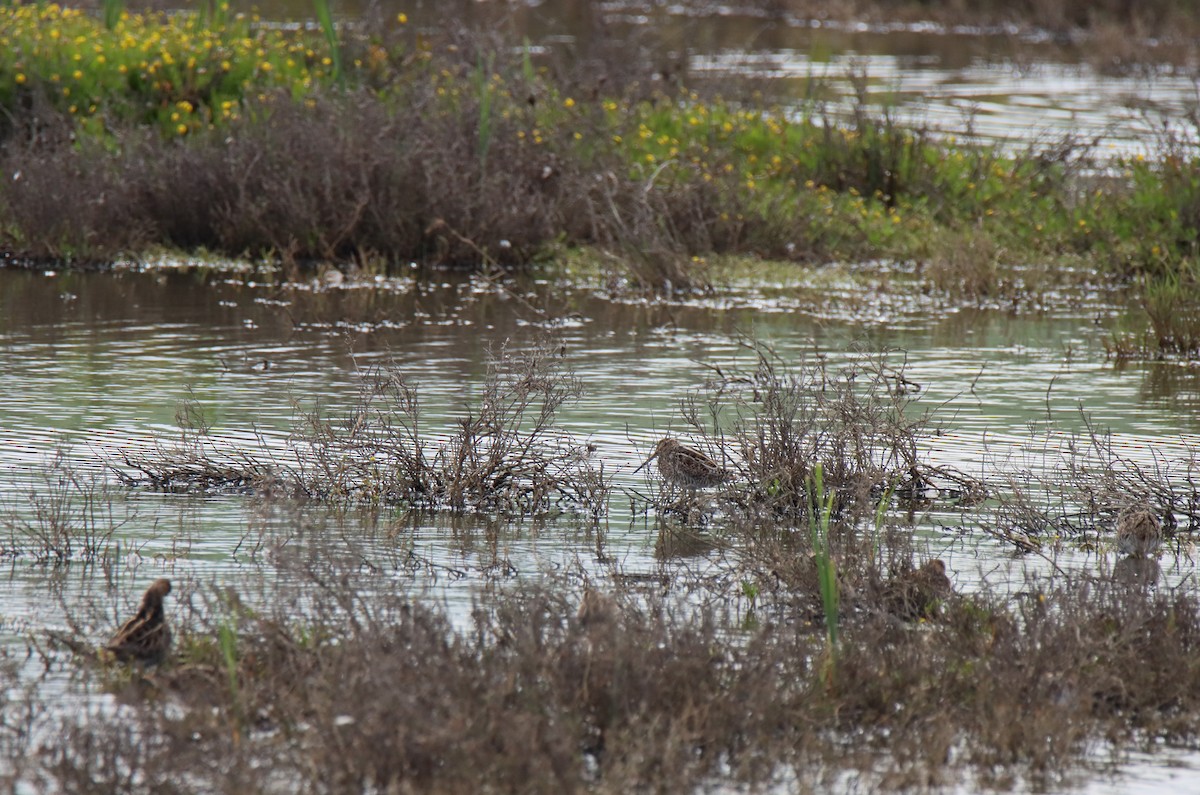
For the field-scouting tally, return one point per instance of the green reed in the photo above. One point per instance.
(325, 18)
(112, 12)
(483, 82)
(227, 641)
(214, 14)
(880, 515)
(820, 507)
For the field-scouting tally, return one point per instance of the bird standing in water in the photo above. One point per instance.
(1139, 532)
(684, 466)
(145, 638)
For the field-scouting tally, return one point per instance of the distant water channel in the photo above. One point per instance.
(999, 85)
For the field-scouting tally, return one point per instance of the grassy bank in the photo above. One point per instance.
(213, 132)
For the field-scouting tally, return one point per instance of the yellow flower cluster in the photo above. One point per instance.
(182, 71)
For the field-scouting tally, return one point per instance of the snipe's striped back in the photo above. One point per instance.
(1139, 531)
(685, 466)
(146, 637)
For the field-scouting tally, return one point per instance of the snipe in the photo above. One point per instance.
(1139, 531)
(145, 638)
(684, 466)
(918, 593)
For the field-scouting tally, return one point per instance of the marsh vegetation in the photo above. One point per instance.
(339, 684)
(817, 624)
(410, 550)
(467, 150)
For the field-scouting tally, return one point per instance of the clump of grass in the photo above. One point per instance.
(1167, 321)
(858, 421)
(1172, 303)
(68, 517)
(504, 453)
(964, 266)
(548, 689)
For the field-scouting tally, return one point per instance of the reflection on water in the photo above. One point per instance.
(95, 363)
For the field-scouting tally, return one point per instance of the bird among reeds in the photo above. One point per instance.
(684, 466)
(1139, 531)
(146, 637)
(918, 593)
(595, 608)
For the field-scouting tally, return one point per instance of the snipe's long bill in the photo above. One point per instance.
(684, 466)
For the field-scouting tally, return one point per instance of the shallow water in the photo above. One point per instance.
(94, 364)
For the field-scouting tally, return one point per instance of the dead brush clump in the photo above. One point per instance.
(339, 687)
(857, 420)
(410, 181)
(67, 516)
(405, 181)
(194, 466)
(503, 454)
(1074, 490)
(296, 183)
(48, 170)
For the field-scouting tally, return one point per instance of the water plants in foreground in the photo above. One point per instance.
(349, 683)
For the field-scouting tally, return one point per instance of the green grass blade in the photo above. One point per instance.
(112, 12)
(325, 18)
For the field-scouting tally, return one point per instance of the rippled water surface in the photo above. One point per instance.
(94, 364)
